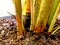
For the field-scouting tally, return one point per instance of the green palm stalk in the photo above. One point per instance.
(53, 9)
(18, 8)
(32, 15)
(35, 6)
(54, 18)
(42, 18)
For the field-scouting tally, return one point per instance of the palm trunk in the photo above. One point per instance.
(54, 19)
(35, 6)
(52, 16)
(53, 9)
(32, 15)
(18, 8)
(42, 18)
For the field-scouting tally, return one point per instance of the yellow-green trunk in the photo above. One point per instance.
(42, 18)
(35, 6)
(18, 8)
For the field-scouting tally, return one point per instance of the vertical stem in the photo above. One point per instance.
(35, 6)
(32, 15)
(18, 16)
(43, 15)
(53, 9)
(54, 18)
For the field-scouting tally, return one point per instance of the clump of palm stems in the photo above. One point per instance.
(42, 12)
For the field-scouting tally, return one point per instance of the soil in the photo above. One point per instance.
(8, 35)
